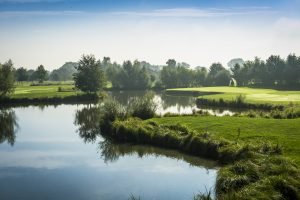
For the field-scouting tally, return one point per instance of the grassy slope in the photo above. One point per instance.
(27, 91)
(252, 95)
(257, 130)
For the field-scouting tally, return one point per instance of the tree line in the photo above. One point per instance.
(89, 72)
(274, 71)
(40, 74)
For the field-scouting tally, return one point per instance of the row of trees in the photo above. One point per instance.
(275, 71)
(176, 75)
(40, 74)
(90, 74)
(64, 73)
(130, 75)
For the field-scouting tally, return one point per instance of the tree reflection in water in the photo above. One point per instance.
(88, 119)
(8, 126)
(111, 151)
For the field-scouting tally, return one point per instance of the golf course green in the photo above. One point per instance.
(253, 95)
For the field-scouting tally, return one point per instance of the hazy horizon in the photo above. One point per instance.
(52, 32)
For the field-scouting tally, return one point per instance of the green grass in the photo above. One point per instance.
(285, 132)
(47, 91)
(255, 166)
(252, 95)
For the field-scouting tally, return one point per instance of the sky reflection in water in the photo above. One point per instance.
(50, 160)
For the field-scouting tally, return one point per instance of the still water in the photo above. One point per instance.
(44, 154)
(170, 104)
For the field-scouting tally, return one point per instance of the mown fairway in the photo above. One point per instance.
(47, 91)
(285, 132)
(252, 95)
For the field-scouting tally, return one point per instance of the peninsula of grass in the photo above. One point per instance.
(258, 163)
(252, 95)
(258, 157)
(47, 93)
(244, 130)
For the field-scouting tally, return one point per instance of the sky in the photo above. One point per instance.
(198, 32)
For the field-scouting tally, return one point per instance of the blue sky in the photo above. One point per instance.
(51, 32)
(92, 5)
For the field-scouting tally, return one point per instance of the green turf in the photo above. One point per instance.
(27, 91)
(252, 95)
(286, 132)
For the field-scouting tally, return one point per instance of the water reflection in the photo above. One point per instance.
(165, 103)
(88, 121)
(170, 104)
(49, 160)
(111, 151)
(8, 126)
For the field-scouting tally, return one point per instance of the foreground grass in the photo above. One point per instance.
(258, 156)
(253, 170)
(285, 132)
(252, 95)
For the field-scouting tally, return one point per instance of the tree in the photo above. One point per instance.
(222, 78)
(171, 63)
(292, 71)
(41, 74)
(21, 74)
(199, 76)
(235, 61)
(89, 76)
(64, 73)
(213, 71)
(112, 74)
(168, 76)
(7, 78)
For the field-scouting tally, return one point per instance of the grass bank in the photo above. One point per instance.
(259, 157)
(43, 91)
(47, 93)
(254, 167)
(244, 130)
(253, 96)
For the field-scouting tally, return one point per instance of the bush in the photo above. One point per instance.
(144, 107)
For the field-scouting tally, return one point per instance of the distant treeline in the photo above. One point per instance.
(64, 73)
(273, 72)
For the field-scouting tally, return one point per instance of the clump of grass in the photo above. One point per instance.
(132, 197)
(263, 177)
(240, 99)
(144, 107)
(207, 195)
(287, 113)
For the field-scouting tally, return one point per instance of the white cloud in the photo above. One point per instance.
(196, 40)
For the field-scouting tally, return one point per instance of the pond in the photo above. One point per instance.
(170, 104)
(48, 153)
